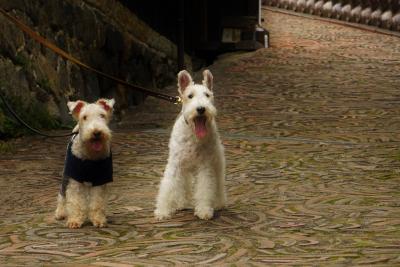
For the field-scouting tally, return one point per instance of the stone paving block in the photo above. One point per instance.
(311, 132)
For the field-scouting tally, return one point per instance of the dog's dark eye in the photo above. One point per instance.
(190, 96)
(207, 95)
(84, 118)
(102, 116)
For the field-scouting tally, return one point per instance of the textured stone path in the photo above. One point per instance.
(312, 132)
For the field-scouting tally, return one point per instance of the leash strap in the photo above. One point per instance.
(34, 35)
(15, 115)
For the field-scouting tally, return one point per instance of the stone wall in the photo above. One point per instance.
(102, 33)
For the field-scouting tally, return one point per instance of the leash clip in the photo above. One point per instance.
(178, 100)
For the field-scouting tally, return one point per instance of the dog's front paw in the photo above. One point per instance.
(59, 216)
(162, 215)
(99, 222)
(60, 213)
(205, 213)
(74, 224)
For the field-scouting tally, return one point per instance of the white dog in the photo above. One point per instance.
(88, 165)
(196, 162)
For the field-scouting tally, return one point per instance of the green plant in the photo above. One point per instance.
(6, 147)
(21, 60)
(45, 85)
(33, 113)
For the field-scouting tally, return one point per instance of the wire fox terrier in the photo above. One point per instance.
(88, 165)
(196, 162)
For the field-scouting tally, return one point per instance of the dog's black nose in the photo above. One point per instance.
(201, 110)
(97, 134)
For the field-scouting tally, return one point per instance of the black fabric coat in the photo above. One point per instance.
(96, 172)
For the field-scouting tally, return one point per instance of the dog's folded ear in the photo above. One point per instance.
(184, 80)
(75, 108)
(208, 79)
(107, 104)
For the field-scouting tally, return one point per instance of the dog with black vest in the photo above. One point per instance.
(88, 165)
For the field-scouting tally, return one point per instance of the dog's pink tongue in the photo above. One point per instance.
(96, 145)
(200, 127)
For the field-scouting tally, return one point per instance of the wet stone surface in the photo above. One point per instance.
(311, 130)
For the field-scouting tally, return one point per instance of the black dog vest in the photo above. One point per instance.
(96, 172)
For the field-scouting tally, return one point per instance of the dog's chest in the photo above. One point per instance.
(184, 147)
(191, 151)
(97, 172)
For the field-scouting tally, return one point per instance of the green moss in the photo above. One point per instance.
(332, 201)
(21, 60)
(45, 85)
(33, 113)
(6, 147)
(364, 243)
(388, 176)
(397, 156)
(169, 236)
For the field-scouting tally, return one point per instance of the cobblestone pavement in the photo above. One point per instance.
(311, 129)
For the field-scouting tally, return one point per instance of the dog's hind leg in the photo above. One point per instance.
(219, 167)
(61, 212)
(185, 202)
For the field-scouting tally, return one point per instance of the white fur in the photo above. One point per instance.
(83, 200)
(91, 118)
(97, 205)
(196, 166)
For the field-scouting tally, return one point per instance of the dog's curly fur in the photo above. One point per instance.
(196, 162)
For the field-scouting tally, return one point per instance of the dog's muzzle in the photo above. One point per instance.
(96, 143)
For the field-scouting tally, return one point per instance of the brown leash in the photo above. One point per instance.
(34, 35)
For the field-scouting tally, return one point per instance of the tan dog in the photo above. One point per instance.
(88, 165)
